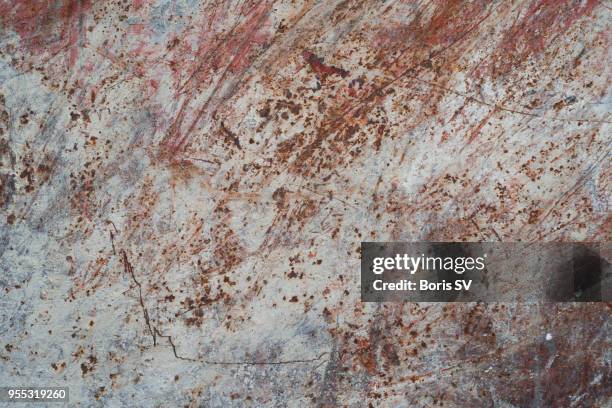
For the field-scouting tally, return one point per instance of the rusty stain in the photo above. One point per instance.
(184, 187)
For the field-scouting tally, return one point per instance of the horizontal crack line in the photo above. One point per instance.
(155, 333)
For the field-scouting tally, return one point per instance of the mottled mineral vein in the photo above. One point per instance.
(185, 185)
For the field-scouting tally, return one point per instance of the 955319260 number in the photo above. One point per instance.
(30, 394)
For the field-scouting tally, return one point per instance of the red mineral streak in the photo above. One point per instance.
(450, 23)
(231, 54)
(46, 27)
(403, 53)
(535, 29)
(476, 131)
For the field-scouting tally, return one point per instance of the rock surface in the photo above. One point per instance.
(185, 186)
